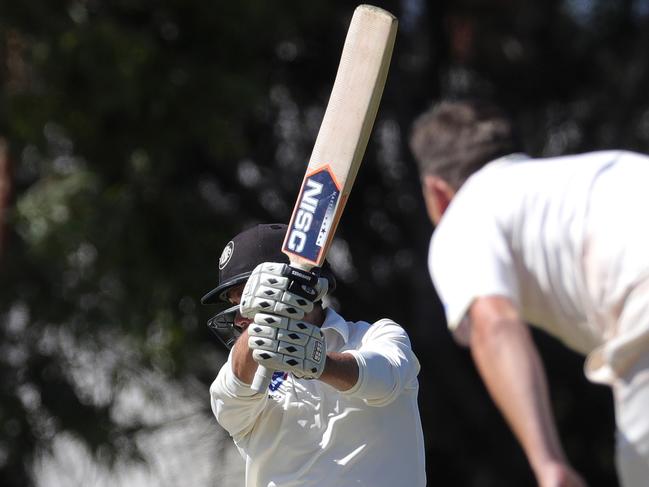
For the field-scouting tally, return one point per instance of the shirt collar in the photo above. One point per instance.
(515, 157)
(337, 323)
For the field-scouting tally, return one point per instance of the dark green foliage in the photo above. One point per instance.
(144, 134)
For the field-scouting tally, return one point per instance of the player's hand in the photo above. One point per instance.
(281, 343)
(282, 290)
(555, 474)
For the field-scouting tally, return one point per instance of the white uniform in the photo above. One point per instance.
(306, 433)
(567, 240)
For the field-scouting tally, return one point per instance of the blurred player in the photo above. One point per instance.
(342, 408)
(561, 243)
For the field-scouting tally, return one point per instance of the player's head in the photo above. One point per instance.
(240, 256)
(454, 139)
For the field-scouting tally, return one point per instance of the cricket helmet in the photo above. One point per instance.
(262, 243)
(240, 256)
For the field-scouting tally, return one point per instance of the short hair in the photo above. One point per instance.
(454, 139)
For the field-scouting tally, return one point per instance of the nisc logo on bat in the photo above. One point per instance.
(313, 215)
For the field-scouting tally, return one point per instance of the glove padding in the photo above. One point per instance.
(281, 343)
(283, 290)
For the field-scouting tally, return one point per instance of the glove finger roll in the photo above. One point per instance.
(275, 321)
(259, 343)
(297, 301)
(290, 349)
(304, 327)
(289, 310)
(273, 281)
(269, 292)
(292, 337)
(267, 358)
(262, 331)
(293, 364)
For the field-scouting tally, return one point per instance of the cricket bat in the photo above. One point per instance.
(340, 144)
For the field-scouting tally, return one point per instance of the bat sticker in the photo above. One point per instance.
(314, 215)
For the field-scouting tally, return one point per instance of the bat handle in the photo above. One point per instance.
(262, 379)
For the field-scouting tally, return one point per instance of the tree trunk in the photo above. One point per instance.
(5, 191)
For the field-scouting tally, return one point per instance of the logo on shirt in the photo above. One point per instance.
(276, 380)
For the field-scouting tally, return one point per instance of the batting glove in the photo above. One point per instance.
(282, 290)
(281, 343)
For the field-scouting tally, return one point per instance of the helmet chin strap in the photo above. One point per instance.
(222, 325)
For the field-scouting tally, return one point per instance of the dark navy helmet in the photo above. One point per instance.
(240, 256)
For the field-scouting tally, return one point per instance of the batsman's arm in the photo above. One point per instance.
(236, 406)
(387, 365)
(507, 360)
(341, 371)
(243, 365)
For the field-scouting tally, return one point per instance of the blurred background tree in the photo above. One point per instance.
(137, 136)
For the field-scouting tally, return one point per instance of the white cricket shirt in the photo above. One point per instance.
(306, 433)
(564, 238)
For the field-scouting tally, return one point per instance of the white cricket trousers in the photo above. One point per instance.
(631, 395)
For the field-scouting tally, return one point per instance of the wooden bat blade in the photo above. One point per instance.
(343, 136)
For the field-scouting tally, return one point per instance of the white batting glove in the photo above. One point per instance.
(281, 343)
(282, 290)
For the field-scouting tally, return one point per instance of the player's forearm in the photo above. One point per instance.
(341, 371)
(512, 371)
(383, 367)
(243, 365)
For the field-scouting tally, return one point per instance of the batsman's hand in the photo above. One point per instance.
(281, 290)
(281, 343)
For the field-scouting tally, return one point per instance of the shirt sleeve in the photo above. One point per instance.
(470, 255)
(386, 364)
(235, 405)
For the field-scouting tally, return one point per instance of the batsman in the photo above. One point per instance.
(341, 408)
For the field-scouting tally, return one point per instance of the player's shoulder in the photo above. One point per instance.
(620, 155)
(480, 202)
(480, 190)
(380, 328)
(591, 158)
(385, 323)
